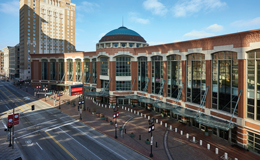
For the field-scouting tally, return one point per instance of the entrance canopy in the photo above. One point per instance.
(147, 100)
(163, 105)
(184, 112)
(89, 87)
(132, 96)
(97, 94)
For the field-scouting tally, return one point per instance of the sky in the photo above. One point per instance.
(157, 21)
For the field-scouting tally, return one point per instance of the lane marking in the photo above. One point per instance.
(40, 130)
(39, 146)
(165, 143)
(100, 143)
(38, 112)
(60, 126)
(61, 146)
(80, 144)
(4, 124)
(12, 101)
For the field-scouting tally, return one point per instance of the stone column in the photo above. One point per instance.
(149, 63)
(242, 136)
(112, 99)
(134, 74)
(208, 83)
(184, 74)
(242, 86)
(165, 78)
(98, 73)
(112, 73)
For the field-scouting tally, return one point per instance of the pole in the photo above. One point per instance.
(13, 128)
(59, 100)
(10, 144)
(45, 94)
(151, 155)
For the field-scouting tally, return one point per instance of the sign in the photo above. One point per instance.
(114, 115)
(75, 89)
(83, 102)
(10, 119)
(59, 94)
(153, 127)
(38, 87)
(79, 102)
(150, 129)
(117, 114)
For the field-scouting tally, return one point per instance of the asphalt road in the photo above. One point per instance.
(47, 133)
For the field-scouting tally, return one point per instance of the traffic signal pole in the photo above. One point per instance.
(13, 128)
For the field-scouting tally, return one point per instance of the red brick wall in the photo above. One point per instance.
(208, 82)
(134, 75)
(242, 86)
(183, 93)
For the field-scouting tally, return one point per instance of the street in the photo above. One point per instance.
(47, 133)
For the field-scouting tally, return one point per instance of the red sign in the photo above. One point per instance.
(76, 89)
(38, 87)
(10, 119)
(59, 94)
(117, 114)
(114, 115)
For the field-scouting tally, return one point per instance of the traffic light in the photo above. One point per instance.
(32, 107)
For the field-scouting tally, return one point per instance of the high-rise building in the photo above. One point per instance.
(9, 59)
(2, 63)
(46, 26)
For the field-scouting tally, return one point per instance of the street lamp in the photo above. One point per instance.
(151, 129)
(115, 116)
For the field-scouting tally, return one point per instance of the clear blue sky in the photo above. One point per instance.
(158, 21)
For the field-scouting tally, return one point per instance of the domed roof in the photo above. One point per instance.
(122, 34)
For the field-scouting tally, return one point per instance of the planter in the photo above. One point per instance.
(120, 128)
(206, 133)
(111, 122)
(147, 142)
(67, 102)
(132, 135)
(132, 105)
(103, 118)
(51, 98)
(94, 113)
(148, 108)
(73, 105)
(162, 115)
(62, 101)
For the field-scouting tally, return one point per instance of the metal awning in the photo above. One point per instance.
(89, 87)
(97, 94)
(147, 100)
(214, 122)
(184, 112)
(163, 105)
(132, 96)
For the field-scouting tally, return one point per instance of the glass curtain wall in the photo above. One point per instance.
(253, 85)
(104, 66)
(123, 66)
(142, 73)
(196, 77)
(157, 74)
(253, 142)
(69, 70)
(94, 71)
(78, 70)
(174, 74)
(104, 84)
(87, 70)
(123, 85)
(224, 81)
(44, 69)
(53, 69)
(61, 69)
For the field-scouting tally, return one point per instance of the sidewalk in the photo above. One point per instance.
(178, 145)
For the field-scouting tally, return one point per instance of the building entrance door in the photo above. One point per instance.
(122, 101)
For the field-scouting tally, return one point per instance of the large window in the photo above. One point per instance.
(157, 74)
(78, 70)
(196, 77)
(94, 71)
(104, 66)
(44, 69)
(224, 81)
(53, 69)
(253, 84)
(253, 142)
(123, 85)
(142, 73)
(174, 75)
(61, 69)
(87, 70)
(69, 70)
(123, 66)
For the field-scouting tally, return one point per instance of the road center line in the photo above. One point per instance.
(39, 146)
(80, 143)
(100, 143)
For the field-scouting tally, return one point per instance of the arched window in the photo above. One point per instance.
(123, 66)
(94, 71)
(78, 70)
(69, 70)
(196, 77)
(87, 70)
(224, 81)
(174, 75)
(104, 66)
(61, 69)
(157, 74)
(253, 84)
(53, 69)
(142, 73)
(44, 69)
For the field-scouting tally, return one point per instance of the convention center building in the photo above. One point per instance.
(210, 83)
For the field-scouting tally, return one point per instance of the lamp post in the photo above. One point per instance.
(151, 129)
(115, 116)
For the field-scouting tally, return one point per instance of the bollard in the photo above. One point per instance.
(131, 110)
(193, 139)
(201, 142)
(125, 131)
(216, 150)
(122, 107)
(125, 108)
(156, 145)
(106, 119)
(175, 129)
(102, 105)
(181, 132)
(165, 125)
(148, 117)
(105, 106)
(139, 137)
(208, 146)
(128, 109)
(141, 114)
(138, 113)
(187, 135)
(156, 120)
(170, 127)
(161, 123)
(134, 111)
(145, 116)
(236, 159)
(226, 156)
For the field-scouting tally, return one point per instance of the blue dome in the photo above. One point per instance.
(122, 31)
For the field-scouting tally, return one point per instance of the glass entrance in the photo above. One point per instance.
(122, 101)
